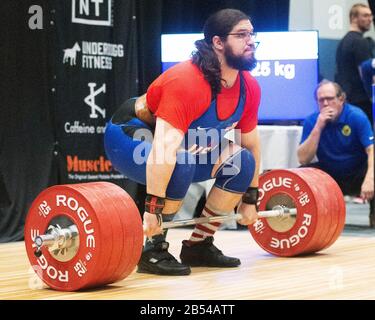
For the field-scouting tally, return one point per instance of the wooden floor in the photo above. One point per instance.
(346, 270)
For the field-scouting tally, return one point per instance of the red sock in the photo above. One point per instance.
(202, 231)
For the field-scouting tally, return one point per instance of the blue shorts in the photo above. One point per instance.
(128, 145)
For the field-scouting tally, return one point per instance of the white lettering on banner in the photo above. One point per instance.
(81, 128)
(102, 49)
(77, 127)
(91, 62)
(86, 177)
(95, 55)
(70, 55)
(92, 12)
(90, 100)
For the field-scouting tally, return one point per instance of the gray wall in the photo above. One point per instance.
(331, 19)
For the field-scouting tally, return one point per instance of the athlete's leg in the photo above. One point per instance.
(128, 146)
(233, 172)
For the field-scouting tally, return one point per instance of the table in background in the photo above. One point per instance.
(279, 146)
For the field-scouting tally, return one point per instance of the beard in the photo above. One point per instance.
(239, 62)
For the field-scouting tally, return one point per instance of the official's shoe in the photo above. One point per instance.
(159, 261)
(205, 254)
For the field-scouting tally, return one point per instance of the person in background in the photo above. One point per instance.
(367, 71)
(352, 50)
(340, 136)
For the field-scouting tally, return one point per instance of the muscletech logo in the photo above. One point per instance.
(75, 164)
(92, 12)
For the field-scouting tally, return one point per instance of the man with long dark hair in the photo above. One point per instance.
(174, 135)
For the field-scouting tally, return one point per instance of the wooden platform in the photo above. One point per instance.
(343, 271)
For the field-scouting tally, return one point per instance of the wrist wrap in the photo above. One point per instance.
(251, 195)
(154, 204)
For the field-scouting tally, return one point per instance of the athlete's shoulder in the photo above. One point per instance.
(185, 70)
(252, 86)
(185, 76)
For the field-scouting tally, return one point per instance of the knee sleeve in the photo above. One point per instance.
(236, 173)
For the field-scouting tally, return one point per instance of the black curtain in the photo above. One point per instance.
(27, 131)
(189, 16)
(372, 7)
(44, 95)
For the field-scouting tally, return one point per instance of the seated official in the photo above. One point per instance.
(341, 137)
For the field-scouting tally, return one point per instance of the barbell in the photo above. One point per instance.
(63, 238)
(87, 235)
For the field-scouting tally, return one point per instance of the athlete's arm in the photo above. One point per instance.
(162, 158)
(159, 167)
(251, 142)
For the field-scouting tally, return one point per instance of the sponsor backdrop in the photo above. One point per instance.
(96, 68)
(69, 64)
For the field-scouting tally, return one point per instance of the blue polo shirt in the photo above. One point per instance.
(343, 143)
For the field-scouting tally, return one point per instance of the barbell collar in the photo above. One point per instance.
(57, 237)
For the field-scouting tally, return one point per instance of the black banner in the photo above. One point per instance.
(65, 67)
(96, 69)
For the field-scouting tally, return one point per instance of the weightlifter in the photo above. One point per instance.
(174, 135)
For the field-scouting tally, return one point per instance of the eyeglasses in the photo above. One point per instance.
(329, 99)
(244, 35)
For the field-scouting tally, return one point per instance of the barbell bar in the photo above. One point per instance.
(276, 212)
(59, 238)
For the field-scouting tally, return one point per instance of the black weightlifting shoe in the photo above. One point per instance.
(205, 254)
(159, 261)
